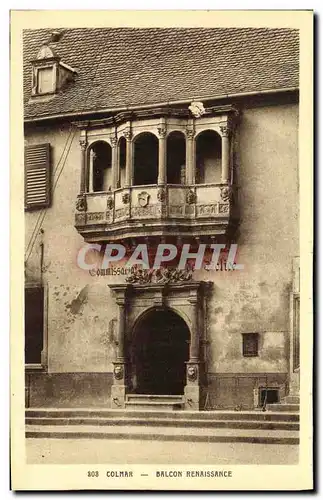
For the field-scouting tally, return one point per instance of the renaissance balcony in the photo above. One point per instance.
(166, 175)
(156, 211)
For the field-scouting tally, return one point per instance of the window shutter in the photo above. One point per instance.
(37, 176)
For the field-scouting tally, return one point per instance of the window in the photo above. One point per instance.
(250, 343)
(268, 396)
(45, 80)
(37, 176)
(34, 324)
(49, 73)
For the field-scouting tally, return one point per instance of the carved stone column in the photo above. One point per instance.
(83, 145)
(129, 158)
(114, 161)
(192, 388)
(91, 170)
(162, 154)
(225, 131)
(119, 387)
(190, 163)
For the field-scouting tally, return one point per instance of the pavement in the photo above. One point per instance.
(117, 451)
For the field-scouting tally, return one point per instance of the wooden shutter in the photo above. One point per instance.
(37, 176)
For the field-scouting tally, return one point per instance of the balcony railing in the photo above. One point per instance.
(152, 210)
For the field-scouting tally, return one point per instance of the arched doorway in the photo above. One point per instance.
(160, 348)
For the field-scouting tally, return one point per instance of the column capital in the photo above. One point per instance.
(190, 133)
(83, 144)
(162, 131)
(121, 301)
(225, 130)
(128, 135)
(114, 141)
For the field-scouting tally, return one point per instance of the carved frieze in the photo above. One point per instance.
(148, 211)
(177, 209)
(95, 216)
(224, 208)
(121, 212)
(207, 209)
(162, 276)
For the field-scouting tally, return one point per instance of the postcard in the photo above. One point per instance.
(162, 233)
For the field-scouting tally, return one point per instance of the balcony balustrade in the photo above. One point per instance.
(155, 211)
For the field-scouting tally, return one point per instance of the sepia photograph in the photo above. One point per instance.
(161, 289)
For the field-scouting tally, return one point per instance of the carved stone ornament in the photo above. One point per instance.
(191, 373)
(190, 197)
(128, 135)
(197, 109)
(118, 372)
(190, 132)
(161, 276)
(81, 205)
(114, 141)
(125, 198)
(109, 203)
(161, 132)
(225, 131)
(161, 195)
(226, 194)
(83, 144)
(143, 198)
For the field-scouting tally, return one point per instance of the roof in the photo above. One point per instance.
(120, 67)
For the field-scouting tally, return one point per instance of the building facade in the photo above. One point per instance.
(183, 137)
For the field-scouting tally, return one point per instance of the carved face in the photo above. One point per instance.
(118, 372)
(191, 373)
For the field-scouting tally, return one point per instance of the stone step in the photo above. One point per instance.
(219, 424)
(139, 405)
(283, 407)
(170, 415)
(154, 397)
(164, 434)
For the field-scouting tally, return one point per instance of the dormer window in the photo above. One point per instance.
(49, 73)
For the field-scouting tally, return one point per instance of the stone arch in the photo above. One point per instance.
(208, 157)
(99, 161)
(176, 157)
(145, 154)
(159, 352)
